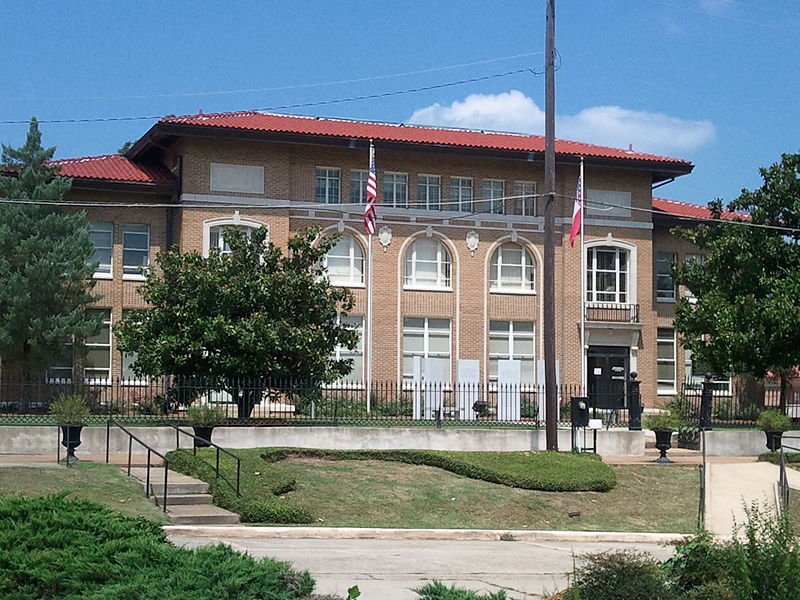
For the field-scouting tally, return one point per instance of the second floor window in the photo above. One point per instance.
(395, 189)
(607, 275)
(429, 192)
(427, 264)
(358, 186)
(345, 262)
(524, 202)
(217, 237)
(512, 269)
(493, 192)
(102, 238)
(135, 249)
(461, 194)
(328, 185)
(665, 285)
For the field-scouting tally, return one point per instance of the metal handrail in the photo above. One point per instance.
(150, 451)
(783, 480)
(220, 475)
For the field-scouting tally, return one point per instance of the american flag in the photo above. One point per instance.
(372, 193)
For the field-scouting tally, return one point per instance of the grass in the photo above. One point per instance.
(59, 549)
(380, 493)
(104, 484)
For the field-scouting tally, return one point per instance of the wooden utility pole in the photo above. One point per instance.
(550, 391)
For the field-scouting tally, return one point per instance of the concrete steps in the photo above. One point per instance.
(188, 500)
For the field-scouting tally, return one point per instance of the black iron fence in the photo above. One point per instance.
(732, 405)
(267, 402)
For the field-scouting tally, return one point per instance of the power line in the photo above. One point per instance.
(299, 105)
(290, 87)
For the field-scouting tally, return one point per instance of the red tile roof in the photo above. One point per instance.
(258, 121)
(112, 167)
(694, 211)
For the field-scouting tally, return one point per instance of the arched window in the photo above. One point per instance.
(607, 274)
(512, 269)
(427, 264)
(216, 236)
(345, 262)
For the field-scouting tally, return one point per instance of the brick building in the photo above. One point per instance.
(458, 259)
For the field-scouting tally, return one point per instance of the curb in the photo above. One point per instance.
(365, 533)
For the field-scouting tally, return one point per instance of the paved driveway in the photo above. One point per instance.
(389, 569)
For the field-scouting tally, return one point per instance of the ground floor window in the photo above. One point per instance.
(425, 337)
(97, 364)
(512, 340)
(357, 354)
(666, 360)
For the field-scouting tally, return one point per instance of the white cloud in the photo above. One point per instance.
(604, 125)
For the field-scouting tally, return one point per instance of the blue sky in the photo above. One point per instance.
(714, 81)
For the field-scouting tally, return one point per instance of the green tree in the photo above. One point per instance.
(45, 281)
(240, 320)
(745, 314)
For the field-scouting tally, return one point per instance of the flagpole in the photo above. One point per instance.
(369, 323)
(583, 286)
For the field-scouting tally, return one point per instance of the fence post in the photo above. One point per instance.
(705, 403)
(634, 403)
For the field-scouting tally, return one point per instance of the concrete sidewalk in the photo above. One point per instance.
(732, 487)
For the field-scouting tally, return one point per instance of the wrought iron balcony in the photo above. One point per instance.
(606, 312)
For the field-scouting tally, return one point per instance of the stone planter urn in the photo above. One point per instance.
(71, 439)
(663, 443)
(204, 433)
(774, 440)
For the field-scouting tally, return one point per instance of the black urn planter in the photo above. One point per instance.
(204, 433)
(774, 440)
(71, 439)
(663, 443)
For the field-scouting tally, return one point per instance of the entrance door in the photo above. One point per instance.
(608, 368)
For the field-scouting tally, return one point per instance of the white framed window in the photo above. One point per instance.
(97, 363)
(102, 238)
(525, 199)
(345, 262)
(129, 376)
(61, 370)
(665, 367)
(135, 251)
(607, 274)
(395, 189)
(357, 354)
(512, 269)
(665, 284)
(695, 374)
(461, 194)
(690, 259)
(358, 186)
(328, 185)
(425, 337)
(427, 264)
(493, 192)
(512, 340)
(429, 192)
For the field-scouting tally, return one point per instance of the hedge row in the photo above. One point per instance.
(262, 486)
(546, 471)
(62, 549)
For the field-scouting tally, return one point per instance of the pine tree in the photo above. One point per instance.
(45, 281)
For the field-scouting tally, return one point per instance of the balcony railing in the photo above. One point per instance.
(611, 313)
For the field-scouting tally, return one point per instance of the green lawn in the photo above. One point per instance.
(386, 494)
(105, 484)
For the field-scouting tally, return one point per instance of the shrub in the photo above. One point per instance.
(775, 457)
(70, 549)
(70, 409)
(436, 590)
(547, 471)
(773, 419)
(662, 420)
(625, 575)
(205, 415)
(713, 590)
(699, 561)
